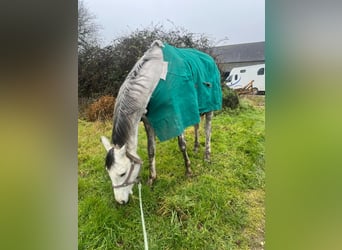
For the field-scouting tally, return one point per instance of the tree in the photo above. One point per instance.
(88, 30)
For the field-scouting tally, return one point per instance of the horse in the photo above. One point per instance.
(138, 100)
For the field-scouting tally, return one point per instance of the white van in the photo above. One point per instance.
(240, 77)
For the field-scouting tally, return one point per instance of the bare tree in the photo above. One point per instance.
(88, 29)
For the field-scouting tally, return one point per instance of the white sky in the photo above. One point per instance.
(238, 21)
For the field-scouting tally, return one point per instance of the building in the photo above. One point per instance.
(238, 55)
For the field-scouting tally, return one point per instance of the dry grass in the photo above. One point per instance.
(101, 109)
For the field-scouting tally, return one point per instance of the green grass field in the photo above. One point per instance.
(220, 207)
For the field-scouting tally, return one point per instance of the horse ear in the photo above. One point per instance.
(122, 151)
(106, 143)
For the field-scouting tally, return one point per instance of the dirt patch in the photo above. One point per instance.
(255, 100)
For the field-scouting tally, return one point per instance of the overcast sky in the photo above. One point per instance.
(224, 21)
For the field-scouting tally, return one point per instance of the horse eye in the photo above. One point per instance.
(122, 175)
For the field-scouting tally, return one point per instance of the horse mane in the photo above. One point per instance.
(132, 100)
(110, 158)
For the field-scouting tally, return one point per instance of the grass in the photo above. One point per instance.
(220, 207)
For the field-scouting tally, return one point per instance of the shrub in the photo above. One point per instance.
(101, 109)
(229, 98)
(102, 70)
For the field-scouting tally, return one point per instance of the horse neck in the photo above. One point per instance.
(134, 96)
(125, 129)
(132, 140)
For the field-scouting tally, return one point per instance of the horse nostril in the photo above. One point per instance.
(123, 202)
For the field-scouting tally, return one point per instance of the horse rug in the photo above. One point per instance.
(191, 87)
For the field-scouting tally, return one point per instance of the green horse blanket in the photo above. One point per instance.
(191, 87)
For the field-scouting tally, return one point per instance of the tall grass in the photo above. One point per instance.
(220, 207)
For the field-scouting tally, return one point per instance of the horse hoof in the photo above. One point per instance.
(150, 181)
(207, 158)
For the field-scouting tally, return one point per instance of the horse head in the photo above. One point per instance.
(123, 169)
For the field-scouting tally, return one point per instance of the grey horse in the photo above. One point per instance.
(133, 104)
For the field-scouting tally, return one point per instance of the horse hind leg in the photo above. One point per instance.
(151, 148)
(196, 144)
(208, 118)
(182, 147)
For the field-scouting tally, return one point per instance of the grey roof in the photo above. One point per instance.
(246, 52)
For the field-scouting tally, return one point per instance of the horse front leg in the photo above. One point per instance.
(182, 147)
(208, 118)
(151, 148)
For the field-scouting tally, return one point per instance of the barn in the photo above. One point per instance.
(238, 55)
